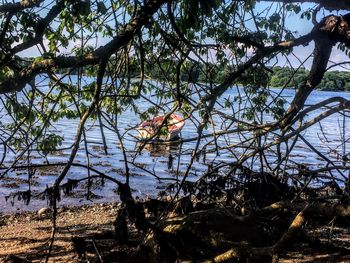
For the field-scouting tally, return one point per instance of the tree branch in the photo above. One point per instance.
(20, 79)
(328, 4)
(15, 7)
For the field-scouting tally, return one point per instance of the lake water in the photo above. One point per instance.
(153, 160)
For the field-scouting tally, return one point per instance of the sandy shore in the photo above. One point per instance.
(27, 236)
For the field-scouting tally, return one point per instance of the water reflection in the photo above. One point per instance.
(158, 149)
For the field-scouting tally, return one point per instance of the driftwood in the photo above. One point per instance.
(310, 210)
(208, 232)
(218, 235)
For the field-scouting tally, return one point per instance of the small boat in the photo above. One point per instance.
(169, 131)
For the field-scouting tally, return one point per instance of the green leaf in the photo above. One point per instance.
(101, 8)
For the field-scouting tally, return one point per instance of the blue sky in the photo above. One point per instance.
(304, 26)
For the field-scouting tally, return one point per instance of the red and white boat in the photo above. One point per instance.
(170, 129)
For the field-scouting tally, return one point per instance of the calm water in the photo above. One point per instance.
(155, 159)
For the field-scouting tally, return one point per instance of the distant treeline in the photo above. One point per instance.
(278, 77)
(287, 77)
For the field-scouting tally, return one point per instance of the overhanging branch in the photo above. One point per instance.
(15, 7)
(23, 77)
(328, 4)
